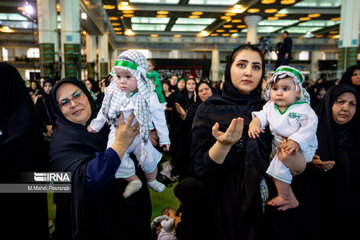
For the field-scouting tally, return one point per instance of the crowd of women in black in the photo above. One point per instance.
(208, 130)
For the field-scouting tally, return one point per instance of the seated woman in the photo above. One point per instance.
(95, 209)
(330, 183)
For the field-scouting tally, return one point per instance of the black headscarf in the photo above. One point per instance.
(330, 199)
(190, 193)
(328, 130)
(21, 150)
(346, 78)
(233, 188)
(71, 147)
(44, 107)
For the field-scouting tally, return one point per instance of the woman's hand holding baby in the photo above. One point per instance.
(291, 146)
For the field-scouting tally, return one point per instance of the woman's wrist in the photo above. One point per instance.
(219, 151)
(119, 148)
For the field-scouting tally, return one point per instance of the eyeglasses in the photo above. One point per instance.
(75, 96)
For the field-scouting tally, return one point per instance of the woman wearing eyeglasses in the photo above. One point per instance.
(95, 209)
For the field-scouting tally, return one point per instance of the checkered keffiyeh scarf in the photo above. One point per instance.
(284, 72)
(136, 63)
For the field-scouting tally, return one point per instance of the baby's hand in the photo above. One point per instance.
(291, 146)
(90, 129)
(255, 129)
(165, 147)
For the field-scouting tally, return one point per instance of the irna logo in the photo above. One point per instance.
(52, 177)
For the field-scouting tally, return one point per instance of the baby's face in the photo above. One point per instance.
(125, 80)
(283, 92)
(172, 213)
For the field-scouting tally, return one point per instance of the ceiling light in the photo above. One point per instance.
(214, 34)
(28, 9)
(236, 21)
(194, 16)
(227, 26)
(220, 30)
(129, 32)
(314, 15)
(113, 18)
(225, 17)
(20, 8)
(336, 36)
(267, 1)
(230, 14)
(280, 14)
(124, 6)
(270, 10)
(241, 26)
(128, 15)
(335, 19)
(287, 2)
(273, 18)
(161, 16)
(83, 16)
(319, 36)
(162, 12)
(117, 29)
(253, 10)
(154, 35)
(304, 19)
(177, 35)
(109, 7)
(115, 24)
(225, 34)
(58, 7)
(6, 29)
(334, 32)
(83, 32)
(118, 33)
(238, 9)
(128, 11)
(233, 30)
(204, 34)
(197, 13)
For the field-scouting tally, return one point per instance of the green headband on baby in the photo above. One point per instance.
(122, 63)
(297, 73)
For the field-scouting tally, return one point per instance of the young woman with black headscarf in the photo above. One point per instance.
(330, 184)
(230, 165)
(352, 77)
(43, 106)
(203, 91)
(183, 101)
(23, 215)
(96, 208)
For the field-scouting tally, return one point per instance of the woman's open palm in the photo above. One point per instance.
(232, 134)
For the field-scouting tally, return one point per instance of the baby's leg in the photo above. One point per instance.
(149, 166)
(134, 185)
(152, 182)
(285, 198)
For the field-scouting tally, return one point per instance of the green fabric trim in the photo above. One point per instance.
(297, 73)
(122, 63)
(287, 107)
(134, 93)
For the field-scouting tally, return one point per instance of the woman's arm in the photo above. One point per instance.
(224, 141)
(101, 170)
